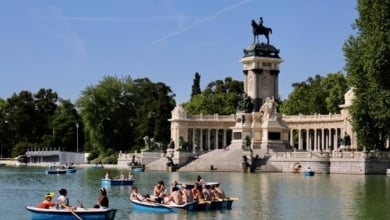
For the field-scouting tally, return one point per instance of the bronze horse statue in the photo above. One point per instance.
(260, 30)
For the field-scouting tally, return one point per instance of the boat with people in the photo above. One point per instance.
(117, 182)
(138, 168)
(56, 170)
(148, 206)
(70, 214)
(308, 172)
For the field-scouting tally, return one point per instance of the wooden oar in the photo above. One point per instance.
(71, 210)
(81, 204)
(232, 198)
(204, 201)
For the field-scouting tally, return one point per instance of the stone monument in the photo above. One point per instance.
(257, 117)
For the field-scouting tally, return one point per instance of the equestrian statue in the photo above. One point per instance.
(259, 29)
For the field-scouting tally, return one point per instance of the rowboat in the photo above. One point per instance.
(116, 182)
(221, 204)
(162, 208)
(308, 173)
(67, 214)
(56, 171)
(71, 170)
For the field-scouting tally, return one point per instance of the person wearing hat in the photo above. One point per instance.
(102, 201)
(47, 202)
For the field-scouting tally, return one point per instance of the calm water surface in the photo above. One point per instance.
(262, 196)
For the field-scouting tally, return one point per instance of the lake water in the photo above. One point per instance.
(261, 195)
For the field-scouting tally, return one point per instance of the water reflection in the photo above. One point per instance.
(262, 196)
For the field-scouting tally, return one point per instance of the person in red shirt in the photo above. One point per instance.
(47, 203)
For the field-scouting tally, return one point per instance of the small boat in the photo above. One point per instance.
(56, 170)
(138, 169)
(222, 204)
(71, 170)
(308, 173)
(67, 214)
(162, 208)
(116, 182)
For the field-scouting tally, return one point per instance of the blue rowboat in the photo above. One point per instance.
(71, 170)
(162, 208)
(56, 171)
(138, 169)
(66, 214)
(222, 204)
(116, 182)
(308, 173)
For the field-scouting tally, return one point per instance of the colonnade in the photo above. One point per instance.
(315, 139)
(206, 139)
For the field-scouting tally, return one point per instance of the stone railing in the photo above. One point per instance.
(345, 154)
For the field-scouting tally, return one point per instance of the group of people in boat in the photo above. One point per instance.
(180, 193)
(63, 200)
(121, 176)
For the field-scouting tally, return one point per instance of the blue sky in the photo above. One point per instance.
(67, 45)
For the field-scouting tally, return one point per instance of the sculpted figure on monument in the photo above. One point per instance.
(260, 29)
(269, 108)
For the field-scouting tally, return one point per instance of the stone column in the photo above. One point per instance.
(216, 138)
(201, 139)
(307, 139)
(208, 139)
(322, 139)
(315, 140)
(224, 138)
(299, 139)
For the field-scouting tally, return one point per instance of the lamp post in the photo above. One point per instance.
(77, 136)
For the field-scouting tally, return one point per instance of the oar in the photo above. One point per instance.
(233, 198)
(204, 201)
(71, 210)
(81, 204)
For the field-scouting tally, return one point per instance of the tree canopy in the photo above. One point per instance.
(119, 112)
(368, 65)
(219, 96)
(318, 95)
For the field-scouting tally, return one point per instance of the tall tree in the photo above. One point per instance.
(118, 112)
(67, 127)
(219, 96)
(196, 85)
(321, 95)
(368, 65)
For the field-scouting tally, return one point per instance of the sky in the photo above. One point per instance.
(68, 45)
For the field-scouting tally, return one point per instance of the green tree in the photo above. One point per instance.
(368, 65)
(196, 85)
(64, 123)
(219, 96)
(118, 112)
(320, 95)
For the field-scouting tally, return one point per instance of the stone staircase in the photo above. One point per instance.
(217, 160)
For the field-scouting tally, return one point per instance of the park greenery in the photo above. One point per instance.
(368, 66)
(125, 114)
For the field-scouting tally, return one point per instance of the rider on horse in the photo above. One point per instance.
(261, 22)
